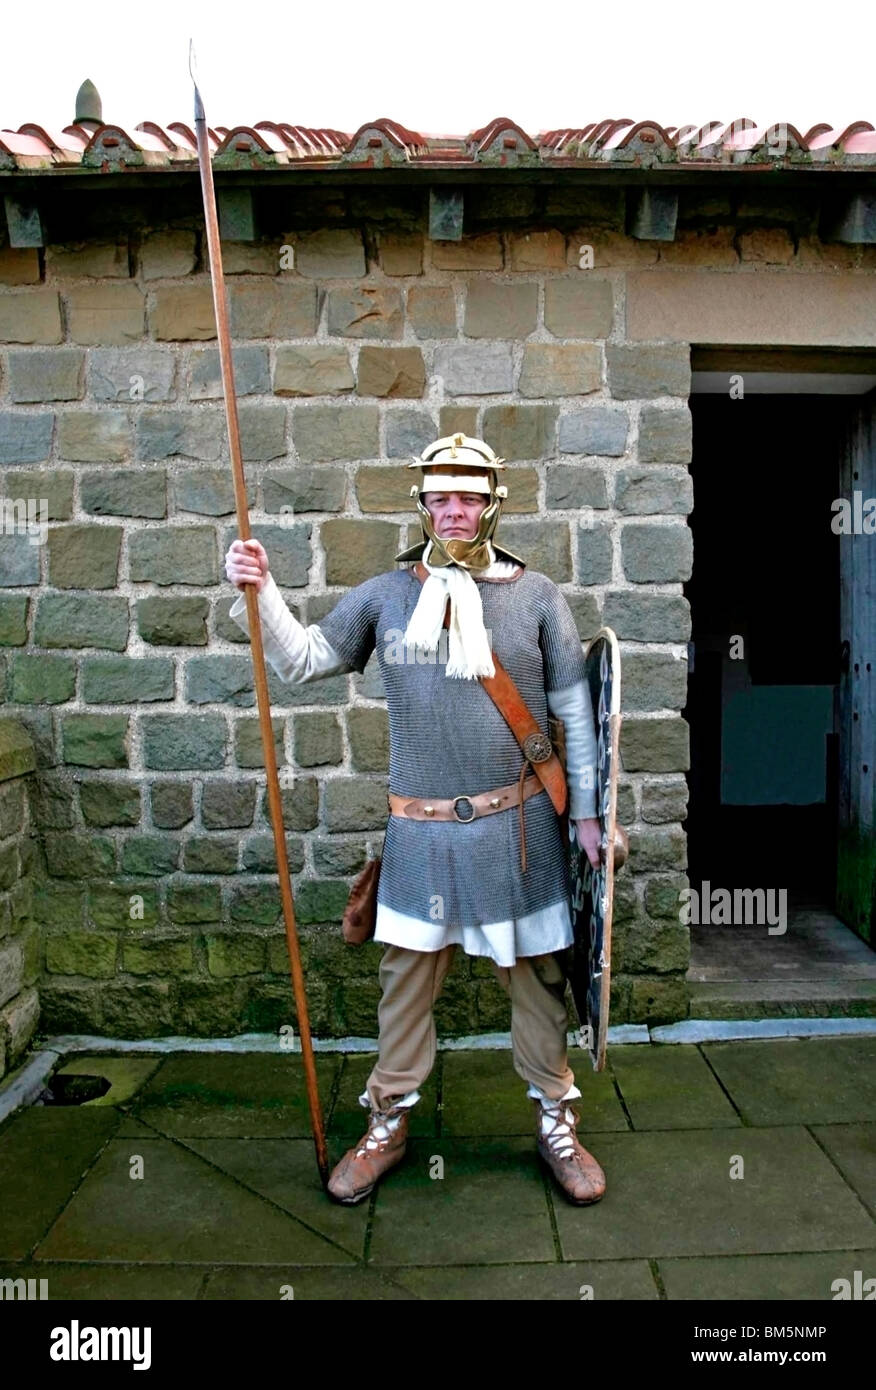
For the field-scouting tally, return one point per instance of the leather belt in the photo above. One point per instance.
(468, 808)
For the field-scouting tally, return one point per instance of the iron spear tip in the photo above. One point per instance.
(193, 73)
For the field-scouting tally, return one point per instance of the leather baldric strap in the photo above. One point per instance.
(534, 743)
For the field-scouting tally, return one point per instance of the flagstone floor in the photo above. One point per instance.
(194, 1177)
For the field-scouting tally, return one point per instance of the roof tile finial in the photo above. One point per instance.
(89, 106)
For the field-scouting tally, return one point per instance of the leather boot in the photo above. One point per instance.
(578, 1174)
(381, 1147)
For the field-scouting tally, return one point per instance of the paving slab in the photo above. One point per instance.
(126, 1075)
(799, 1081)
(349, 1119)
(233, 1095)
(670, 1193)
(670, 1088)
(44, 1152)
(490, 1206)
(557, 1282)
(763, 1277)
(285, 1172)
(181, 1211)
(79, 1279)
(482, 1094)
(853, 1150)
(273, 1284)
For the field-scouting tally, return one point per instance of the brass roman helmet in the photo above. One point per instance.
(459, 464)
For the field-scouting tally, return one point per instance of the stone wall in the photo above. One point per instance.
(157, 894)
(19, 935)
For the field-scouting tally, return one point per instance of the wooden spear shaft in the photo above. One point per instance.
(255, 633)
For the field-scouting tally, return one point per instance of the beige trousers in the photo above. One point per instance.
(412, 981)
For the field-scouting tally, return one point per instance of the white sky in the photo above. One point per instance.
(443, 68)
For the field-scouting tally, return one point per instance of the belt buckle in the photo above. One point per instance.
(464, 820)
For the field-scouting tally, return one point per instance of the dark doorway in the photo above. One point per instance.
(765, 644)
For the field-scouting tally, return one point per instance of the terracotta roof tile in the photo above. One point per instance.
(387, 143)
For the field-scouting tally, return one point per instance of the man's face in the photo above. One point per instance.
(455, 513)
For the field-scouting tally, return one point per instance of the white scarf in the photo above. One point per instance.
(468, 645)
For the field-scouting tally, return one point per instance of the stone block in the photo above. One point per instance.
(272, 309)
(594, 554)
(408, 432)
(172, 805)
(391, 372)
(483, 252)
(109, 803)
(19, 265)
(579, 308)
(94, 436)
(355, 803)
(135, 374)
(188, 433)
(330, 253)
(366, 311)
(105, 314)
(482, 369)
(655, 745)
(544, 545)
(432, 311)
(102, 260)
(638, 617)
(313, 369)
(167, 254)
(31, 316)
(262, 432)
(656, 554)
(542, 250)
(401, 253)
(41, 680)
(80, 620)
(355, 550)
(304, 489)
(55, 487)
(573, 369)
(95, 740)
(665, 436)
(521, 431)
(173, 555)
(652, 491)
(174, 742)
(54, 375)
(318, 739)
(124, 493)
(252, 374)
(324, 433)
(172, 622)
(575, 485)
(84, 557)
(599, 430)
(180, 313)
(25, 438)
(89, 953)
(496, 309)
(654, 680)
(637, 371)
(126, 680)
(368, 728)
(211, 680)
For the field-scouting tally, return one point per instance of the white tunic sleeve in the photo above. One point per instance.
(298, 654)
(575, 707)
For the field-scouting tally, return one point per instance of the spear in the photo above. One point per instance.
(220, 305)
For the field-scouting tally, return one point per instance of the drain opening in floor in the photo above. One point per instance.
(73, 1089)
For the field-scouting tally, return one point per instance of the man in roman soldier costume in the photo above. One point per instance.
(473, 853)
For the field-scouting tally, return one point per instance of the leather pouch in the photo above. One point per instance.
(360, 914)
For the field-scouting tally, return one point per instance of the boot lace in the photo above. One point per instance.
(381, 1127)
(557, 1123)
